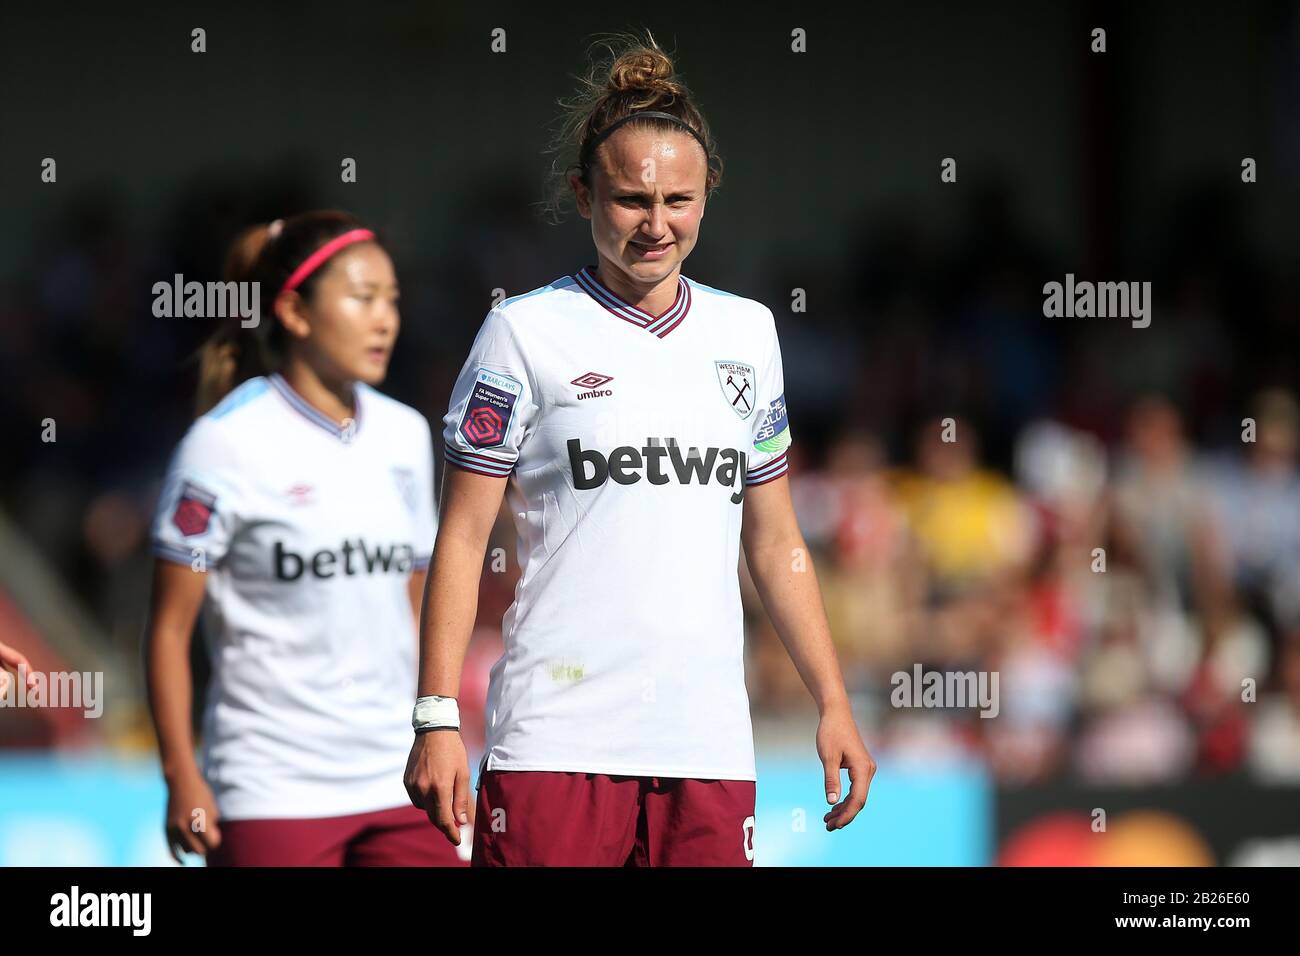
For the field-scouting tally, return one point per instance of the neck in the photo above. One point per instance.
(334, 398)
(655, 298)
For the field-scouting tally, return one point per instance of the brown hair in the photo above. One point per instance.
(635, 76)
(233, 354)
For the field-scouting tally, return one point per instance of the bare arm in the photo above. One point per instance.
(415, 588)
(174, 607)
(437, 773)
(468, 511)
(786, 581)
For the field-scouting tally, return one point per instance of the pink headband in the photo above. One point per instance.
(314, 260)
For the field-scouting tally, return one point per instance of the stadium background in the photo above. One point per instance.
(1119, 690)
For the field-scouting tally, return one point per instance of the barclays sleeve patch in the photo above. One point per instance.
(773, 432)
(486, 420)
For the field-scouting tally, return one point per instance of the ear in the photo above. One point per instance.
(291, 312)
(581, 195)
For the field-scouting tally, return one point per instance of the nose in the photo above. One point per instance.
(655, 223)
(385, 315)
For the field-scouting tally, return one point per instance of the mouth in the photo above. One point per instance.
(377, 354)
(646, 250)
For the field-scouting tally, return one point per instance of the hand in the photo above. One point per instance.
(188, 831)
(839, 745)
(11, 658)
(437, 780)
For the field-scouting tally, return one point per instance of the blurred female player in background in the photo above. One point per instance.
(628, 413)
(297, 514)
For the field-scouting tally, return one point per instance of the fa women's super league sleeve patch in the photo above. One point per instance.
(774, 430)
(194, 510)
(485, 423)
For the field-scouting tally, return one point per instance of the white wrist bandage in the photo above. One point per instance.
(434, 712)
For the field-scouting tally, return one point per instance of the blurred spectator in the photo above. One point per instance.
(1132, 734)
(869, 584)
(1258, 502)
(973, 532)
(1163, 511)
(970, 521)
(1275, 736)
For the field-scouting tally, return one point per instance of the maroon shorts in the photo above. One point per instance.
(402, 836)
(550, 818)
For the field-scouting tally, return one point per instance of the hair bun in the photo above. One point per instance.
(644, 69)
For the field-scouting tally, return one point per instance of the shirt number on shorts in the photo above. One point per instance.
(747, 837)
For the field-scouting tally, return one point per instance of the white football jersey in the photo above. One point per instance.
(629, 440)
(309, 533)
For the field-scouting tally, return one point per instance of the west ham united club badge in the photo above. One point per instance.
(486, 420)
(738, 386)
(193, 510)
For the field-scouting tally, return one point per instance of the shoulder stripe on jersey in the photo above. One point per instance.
(763, 481)
(562, 283)
(476, 456)
(709, 288)
(241, 395)
(477, 469)
(758, 470)
(765, 472)
(660, 325)
(310, 412)
(755, 484)
(478, 463)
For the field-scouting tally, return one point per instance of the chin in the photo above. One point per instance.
(372, 376)
(652, 266)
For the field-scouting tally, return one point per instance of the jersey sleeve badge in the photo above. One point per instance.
(485, 423)
(194, 509)
(773, 433)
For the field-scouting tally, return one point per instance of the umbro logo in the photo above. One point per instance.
(300, 494)
(592, 381)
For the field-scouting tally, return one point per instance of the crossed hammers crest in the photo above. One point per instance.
(740, 392)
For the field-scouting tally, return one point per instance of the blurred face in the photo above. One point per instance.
(1155, 432)
(855, 455)
(1276, 441)
(947, 460)
(645, 202)
(347, 331)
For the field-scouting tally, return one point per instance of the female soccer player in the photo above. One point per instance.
(632, 417)
(296, 514)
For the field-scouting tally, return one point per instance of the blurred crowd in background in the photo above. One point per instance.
(1075, 504)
